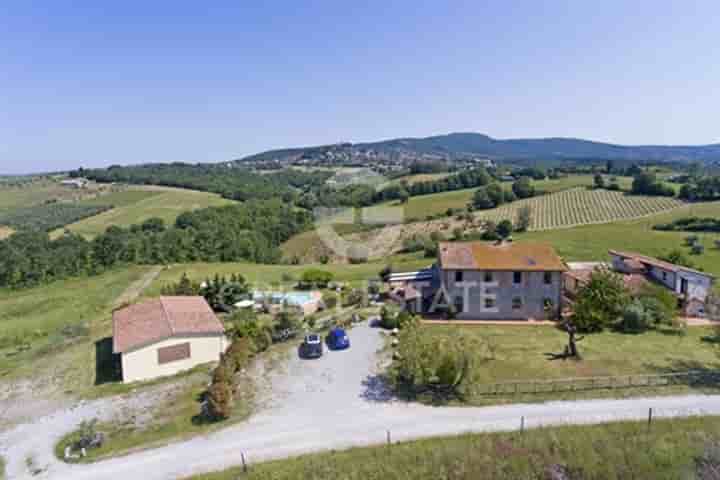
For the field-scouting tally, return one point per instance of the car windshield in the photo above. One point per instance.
(312, 339)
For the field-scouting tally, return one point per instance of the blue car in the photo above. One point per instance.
(337, 339)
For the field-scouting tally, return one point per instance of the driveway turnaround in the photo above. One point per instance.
(333, 402)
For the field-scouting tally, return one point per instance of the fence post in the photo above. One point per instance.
(522, 424)
(389, 442)
(242, 456)
(649, 418)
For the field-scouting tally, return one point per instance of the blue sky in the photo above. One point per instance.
(95, 83)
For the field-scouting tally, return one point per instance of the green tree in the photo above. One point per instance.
(599, 181)
(524, 218)
(496, 194)
(505, 228)
(600, 302)
(481, 199)
(523, 188)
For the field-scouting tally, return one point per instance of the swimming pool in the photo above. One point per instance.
(292, 298)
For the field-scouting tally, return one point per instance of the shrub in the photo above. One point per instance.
(636, 318)
(425, 363)
(691, 240)
(315, 278)
(240, 352)
(219, 401)
(697, 249)
(330, 300)
(677, 257)
(389, 317)
(352, 297)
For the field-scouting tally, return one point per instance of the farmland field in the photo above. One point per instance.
(138, 205)
(591, 242)
(580, 206)
(41, 191)
(420, 177)
(422, 206)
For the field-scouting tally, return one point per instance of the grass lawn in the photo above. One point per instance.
(136, 206)
(54, 326)
(608, 451)
(593, 241)
(521, 354)
(274, 273)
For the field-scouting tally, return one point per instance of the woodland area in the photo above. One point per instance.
(251, 232)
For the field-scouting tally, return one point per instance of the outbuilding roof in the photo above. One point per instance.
(149, 322)
(499, 256)
(645, 260)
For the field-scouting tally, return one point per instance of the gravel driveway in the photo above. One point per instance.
(332, 402)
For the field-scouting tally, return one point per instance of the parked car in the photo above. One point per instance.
(311, 347)
(338, 339)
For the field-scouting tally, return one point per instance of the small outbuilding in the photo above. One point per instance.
(165, 336)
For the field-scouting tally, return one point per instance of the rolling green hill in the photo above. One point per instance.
(140, 203)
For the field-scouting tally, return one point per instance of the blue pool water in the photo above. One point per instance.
(292, 298)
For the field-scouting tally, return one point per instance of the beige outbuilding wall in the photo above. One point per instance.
(142, 363)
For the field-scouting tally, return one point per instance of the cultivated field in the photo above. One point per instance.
(553, 212)
(579, 206)
(41, 191)
(137, 205)
(593, 241)
(422, 206)
(420, 177)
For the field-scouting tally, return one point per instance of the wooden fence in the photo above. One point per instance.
(692, 378)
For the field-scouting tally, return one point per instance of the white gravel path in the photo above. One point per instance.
(317, 405)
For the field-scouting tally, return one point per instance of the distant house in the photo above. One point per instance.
(74, 183)
(165, 336)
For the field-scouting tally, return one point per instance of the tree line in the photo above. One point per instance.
(250, 232)
(231, 182)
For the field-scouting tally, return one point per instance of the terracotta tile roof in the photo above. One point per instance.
(499, 256)
(634, 282)
(655, 262)
(155, 320)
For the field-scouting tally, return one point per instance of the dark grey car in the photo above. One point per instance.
(312, 347)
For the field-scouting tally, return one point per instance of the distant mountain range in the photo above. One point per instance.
(458, 145)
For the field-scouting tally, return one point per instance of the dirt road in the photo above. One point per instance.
(334, 402)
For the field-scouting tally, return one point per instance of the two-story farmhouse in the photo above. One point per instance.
(500, 281)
